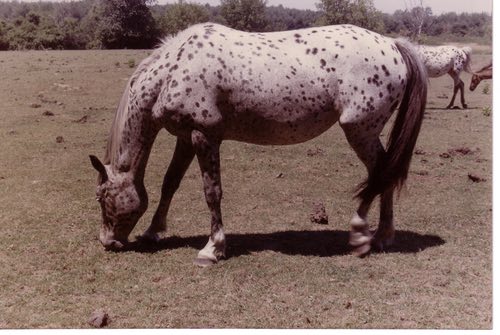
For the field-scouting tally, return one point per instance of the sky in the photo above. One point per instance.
(386, 6)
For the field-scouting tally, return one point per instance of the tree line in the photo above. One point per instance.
(140, 24)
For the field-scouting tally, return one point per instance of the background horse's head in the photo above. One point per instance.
(474, 82)
(122, 204)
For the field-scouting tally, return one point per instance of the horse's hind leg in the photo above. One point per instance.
(368, 148)
(384, 236)
(462, 94)
(207, 152)
(182, 158)
(458, 84)
(360, 237)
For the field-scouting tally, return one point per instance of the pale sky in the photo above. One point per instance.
(387, 6)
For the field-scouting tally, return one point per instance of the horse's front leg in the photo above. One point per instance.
(208, 154)
(182, 158)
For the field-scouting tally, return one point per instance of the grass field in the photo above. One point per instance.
(282, 271)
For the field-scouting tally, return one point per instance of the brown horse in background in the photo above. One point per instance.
(485, 73)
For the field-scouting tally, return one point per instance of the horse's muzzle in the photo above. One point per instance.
(113, 245)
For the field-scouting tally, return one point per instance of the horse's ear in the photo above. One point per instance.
(96, 163)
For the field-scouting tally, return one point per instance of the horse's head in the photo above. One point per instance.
(474, 82)
(122, 204)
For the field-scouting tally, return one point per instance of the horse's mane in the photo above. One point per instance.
(121, 114)
(490, 65)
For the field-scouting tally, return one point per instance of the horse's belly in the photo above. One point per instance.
(279, 126)
(435, 70)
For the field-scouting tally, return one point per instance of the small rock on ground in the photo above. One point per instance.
(476, 179)
(319, 215)
(99, 319)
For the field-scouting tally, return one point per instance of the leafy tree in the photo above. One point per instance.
(33, 31)
(358, 12)
(124, 24)
(248, 15)
(4, 41)
(182, 15)
(92, 24)
(281, 18)
(418, 19)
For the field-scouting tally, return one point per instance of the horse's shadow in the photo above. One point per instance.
(324, 243)
(454, 108)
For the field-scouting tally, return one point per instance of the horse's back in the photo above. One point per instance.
(272, 88)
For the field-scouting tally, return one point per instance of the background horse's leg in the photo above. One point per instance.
(208, 154)
(182, 158)
(384, 236)
(458, 84)
(462, 94)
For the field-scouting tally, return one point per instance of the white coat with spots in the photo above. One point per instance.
(211, 83)
(447, 59)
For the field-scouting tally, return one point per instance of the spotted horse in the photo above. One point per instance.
(211, 83)
(448, 59)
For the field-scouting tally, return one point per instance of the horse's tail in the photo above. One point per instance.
(391, 169)
(468, 59)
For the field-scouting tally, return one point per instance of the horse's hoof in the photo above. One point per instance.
(362, 250)
(149, 238)
(358, 240)
(465, 106)
(381, 244)
(204, 262)
(382, 241)
(360, 237)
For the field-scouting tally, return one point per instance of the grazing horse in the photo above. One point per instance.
(447, 59)
(211, 83)
(485, 73)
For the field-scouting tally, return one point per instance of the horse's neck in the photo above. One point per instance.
(132, 136)
(486, 73)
